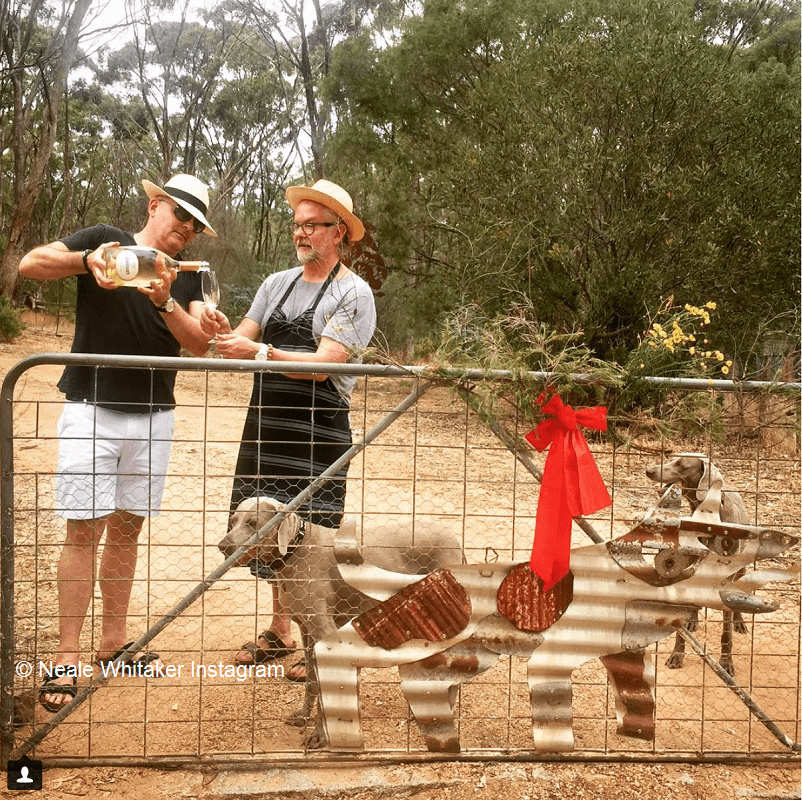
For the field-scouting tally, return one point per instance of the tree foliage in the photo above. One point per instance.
(584, 160)
(591, 159)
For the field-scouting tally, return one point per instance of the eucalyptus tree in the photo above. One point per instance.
(248, 145)
(37, 49)
(171, 70)
(299, 36)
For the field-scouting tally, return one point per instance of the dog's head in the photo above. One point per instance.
(696, 472)
(251, 516)
(704, 560)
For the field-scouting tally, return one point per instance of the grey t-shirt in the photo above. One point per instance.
(346, 313)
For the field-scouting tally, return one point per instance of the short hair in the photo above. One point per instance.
(344, 247)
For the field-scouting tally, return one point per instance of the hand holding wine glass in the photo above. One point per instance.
(211, 291)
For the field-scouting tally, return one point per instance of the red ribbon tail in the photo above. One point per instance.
(571, 487)
(551, 550)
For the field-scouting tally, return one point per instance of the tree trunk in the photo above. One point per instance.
(29, 184)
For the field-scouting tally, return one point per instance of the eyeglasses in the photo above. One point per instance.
(309, 227)
(182, 215)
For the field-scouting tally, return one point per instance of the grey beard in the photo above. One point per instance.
(307, 257)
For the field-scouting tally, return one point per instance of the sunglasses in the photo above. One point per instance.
(182, 215)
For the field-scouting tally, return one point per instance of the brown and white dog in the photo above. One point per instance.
(696, 473)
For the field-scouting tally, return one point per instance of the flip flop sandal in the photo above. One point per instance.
(143, 660)
(275, 649)
(51, 687)
(296, 678)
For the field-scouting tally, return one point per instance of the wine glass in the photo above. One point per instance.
(211, 292)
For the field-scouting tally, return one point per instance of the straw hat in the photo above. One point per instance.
(190, 193)
(332, 196)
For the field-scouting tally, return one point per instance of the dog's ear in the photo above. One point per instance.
(286, 532)
(266, 508)
(710, 474)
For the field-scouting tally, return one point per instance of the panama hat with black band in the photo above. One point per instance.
(333, 197)
(188, 192)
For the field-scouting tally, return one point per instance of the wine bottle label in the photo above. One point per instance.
(127, 265)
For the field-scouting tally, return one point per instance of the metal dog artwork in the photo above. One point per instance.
(619, 597)
(694, 473)
(300, 557)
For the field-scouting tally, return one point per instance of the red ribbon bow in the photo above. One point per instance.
(571, 486)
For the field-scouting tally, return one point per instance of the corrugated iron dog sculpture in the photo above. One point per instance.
(618, 598)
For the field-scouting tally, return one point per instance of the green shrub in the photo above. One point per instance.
(11, 325)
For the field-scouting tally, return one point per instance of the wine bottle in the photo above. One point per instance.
(136, 266)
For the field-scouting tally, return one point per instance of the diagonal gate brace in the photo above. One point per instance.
(180, 607)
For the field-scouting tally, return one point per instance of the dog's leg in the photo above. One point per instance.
(430, 687)
(548, 672)
(301, 717)
(317, 737)
(337, 666)
(632, 674)
(726, 662)
(677, 657)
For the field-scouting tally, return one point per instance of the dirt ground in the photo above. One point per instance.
(242, 719)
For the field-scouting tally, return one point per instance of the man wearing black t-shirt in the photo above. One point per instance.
(116, 427)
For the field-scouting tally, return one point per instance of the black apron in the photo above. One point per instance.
(294, 429)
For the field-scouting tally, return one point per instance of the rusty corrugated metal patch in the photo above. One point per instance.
(523, 602)
(434, 609)
(635, 699)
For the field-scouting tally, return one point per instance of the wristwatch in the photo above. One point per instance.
(168, 307)
(263, 353)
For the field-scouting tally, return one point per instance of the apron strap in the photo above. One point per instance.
(318, 297)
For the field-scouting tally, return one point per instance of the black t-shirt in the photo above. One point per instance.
(122, 321)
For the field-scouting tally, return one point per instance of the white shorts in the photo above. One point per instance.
(110, 461)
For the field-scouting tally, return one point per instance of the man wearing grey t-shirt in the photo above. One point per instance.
(298, 424)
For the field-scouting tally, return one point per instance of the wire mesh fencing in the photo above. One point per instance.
(434, 474)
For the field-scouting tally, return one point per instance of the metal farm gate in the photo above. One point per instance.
(423, 453)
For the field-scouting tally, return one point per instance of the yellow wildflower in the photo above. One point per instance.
(711, 305)
(725, 370)
(719, 355)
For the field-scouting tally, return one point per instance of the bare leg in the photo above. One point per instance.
(117, 567)
(280, 624)
(76, 577)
